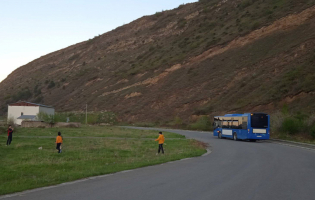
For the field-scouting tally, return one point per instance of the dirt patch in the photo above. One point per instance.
(292, 98)
(93, 81)
(140, 75)
(192, 15)
(200, 144)
(149, 81)
(134, 94)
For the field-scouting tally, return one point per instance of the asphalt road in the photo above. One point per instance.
(234, 170)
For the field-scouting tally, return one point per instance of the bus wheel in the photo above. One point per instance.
(253, 140)
(220, 135)
(235, 136)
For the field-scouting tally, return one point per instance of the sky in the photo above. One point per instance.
(30, 29)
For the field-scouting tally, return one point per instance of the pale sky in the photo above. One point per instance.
(33, 28)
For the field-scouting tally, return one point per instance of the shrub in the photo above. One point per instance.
(311, 120)
(312, 132)
(46, 117)
(3, 130)
(202, 123)
(255, 25)
(276, 121)
(178, 121)
(39, 99)
(290, 125)
(93, 118)
(244, 4)
(181, 23)
(22, 95)
(37, 90)
(51, 84)
(11, 121)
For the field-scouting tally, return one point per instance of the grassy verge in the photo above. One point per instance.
(298, 127)
(300, 137)
(24, 166)
(202, 123)
(94, 131)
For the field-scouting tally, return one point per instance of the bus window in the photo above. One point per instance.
(244, 123)
(235, 124)
(259, 120)
(216, 123)
(225, 124)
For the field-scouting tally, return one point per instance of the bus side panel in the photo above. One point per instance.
(242, 134)
(227, 133)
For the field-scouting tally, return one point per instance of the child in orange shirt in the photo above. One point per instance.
(161, 140)
(59, 142)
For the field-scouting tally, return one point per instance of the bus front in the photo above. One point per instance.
(259, 126)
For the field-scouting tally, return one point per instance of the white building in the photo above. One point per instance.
(23, 110)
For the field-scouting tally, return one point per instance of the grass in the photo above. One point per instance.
(298, 127)
(93, 117)
(300, 137)
(94, 131)
(25, 167)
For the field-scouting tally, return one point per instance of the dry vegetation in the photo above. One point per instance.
(206, 58)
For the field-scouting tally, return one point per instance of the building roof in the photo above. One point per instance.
(27, 117)
(25, 103)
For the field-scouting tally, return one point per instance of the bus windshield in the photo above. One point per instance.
(259, 120)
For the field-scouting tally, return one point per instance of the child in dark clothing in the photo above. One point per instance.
(10, 132)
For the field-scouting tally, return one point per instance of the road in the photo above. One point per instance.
(235, 170)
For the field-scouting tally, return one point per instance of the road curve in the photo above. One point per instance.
(234, 170)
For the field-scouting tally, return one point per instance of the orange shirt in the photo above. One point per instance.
(161, 139)
(59, 139)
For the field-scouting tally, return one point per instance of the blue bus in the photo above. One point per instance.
(247, 126)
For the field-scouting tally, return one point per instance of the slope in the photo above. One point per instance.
(208, 57)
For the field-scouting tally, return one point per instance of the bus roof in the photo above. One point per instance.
(239, 115)
(234, 115)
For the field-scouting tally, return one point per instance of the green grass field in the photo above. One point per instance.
(94, 131)
(24, 166)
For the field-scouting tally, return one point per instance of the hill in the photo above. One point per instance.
(208, 57)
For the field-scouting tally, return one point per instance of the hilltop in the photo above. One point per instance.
(209, 57)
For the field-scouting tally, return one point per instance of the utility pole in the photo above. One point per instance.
(86, 114)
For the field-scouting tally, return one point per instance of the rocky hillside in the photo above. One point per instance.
(209, 57)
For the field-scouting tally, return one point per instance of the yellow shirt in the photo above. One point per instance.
(161, 139)
(59, 139)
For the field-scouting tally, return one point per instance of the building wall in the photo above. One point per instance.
(49, 111)
(33, 124)
(15, 112)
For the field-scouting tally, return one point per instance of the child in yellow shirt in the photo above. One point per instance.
(161, 140)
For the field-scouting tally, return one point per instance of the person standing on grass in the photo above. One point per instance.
(59, 142)
(10, 132)
(161, 140)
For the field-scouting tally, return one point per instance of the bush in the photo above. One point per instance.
(291, 125)
(11, 121)
(178, 121)
(22, 95)
(3, 130)
(46, 117)
(276, 121)
(203, 124)
(93, 118)
(51, 84)
(312, 132)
